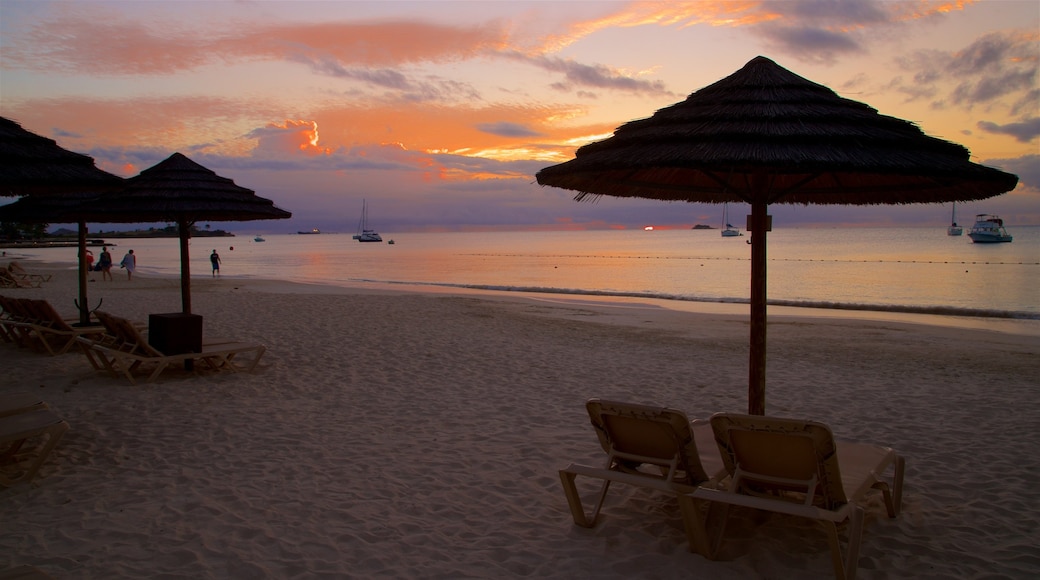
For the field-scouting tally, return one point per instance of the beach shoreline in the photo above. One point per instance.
(395, 433)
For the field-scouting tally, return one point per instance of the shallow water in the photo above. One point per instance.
(883, 269)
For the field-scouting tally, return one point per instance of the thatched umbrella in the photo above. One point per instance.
(182, 191)
(55, 180)
(766, 135)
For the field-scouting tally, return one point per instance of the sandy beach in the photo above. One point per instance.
(391, 434)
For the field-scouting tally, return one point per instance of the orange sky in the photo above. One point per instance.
(440, 113)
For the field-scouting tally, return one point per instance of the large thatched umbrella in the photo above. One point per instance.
(182, 191)
(55, 180)
(766, 135)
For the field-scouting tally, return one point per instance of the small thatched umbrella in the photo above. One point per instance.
(766, 135)
(55, 180)
(182, 191)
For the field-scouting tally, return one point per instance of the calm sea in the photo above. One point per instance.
(884, 269)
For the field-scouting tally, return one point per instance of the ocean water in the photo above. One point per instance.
(883, 269)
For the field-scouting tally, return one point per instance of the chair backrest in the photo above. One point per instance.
(18, 309)
(47, 316)
(126, 334)
(766, 454)
(645, 434)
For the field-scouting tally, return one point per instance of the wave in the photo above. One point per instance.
(902, 308)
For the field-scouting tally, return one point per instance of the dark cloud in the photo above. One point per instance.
(811, 44)
(584, 75)
(1024, 131)
(1027, 168)
(992, 67)
(507, 129)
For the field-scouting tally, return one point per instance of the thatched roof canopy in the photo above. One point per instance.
(810, 145)
(46, 209)
(178, 189)
(31, 164)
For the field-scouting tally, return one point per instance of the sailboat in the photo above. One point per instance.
(728, 231)
(364, 233)
(954, 229)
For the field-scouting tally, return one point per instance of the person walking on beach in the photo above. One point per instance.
(130, 263)
(214, 259)
(105, 263)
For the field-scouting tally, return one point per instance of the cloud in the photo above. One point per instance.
(583, 75)
(507, 129)
(811, 44)
(1024, 132)
(996, 65)
(1027, 168)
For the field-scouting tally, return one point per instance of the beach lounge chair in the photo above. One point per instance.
(16, 321)
(18, 271)
(124, 350)
(26, 439)
(652, 447)
(55, 334)
(8, 280)
(795, 467)
(14, 403)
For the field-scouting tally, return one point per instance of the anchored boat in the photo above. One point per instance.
(988, 229)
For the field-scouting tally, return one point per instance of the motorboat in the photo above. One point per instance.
(728, 231)
(365, 234)
(259, 239)
(313, 231)
(988, 229)
(954, 229)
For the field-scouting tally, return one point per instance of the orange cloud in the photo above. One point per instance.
(107, 43)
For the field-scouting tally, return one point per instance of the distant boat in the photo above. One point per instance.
(259, 239)
(364, 233)
(702, 227)
(728, 231)
(988, 229)
(313, 231)
(954, 229)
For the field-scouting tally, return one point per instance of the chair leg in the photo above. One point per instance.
(574, 500)
(696, 530)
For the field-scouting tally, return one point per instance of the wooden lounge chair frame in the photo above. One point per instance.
(20, 402)
(55, 334)
(18, 271)
(9, 280)
(795, 467)
(41, 426)
(124, 350)
(650, 447)
(16, 321)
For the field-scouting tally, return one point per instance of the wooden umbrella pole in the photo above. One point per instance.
(757, 367)
(182, 225)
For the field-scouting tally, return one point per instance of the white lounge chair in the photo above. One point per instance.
(652, 447)
(795, 467)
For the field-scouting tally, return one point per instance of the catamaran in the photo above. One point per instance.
(954, 229)
(364, 233)
(728, 231)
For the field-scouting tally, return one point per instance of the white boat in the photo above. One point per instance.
(364, 233)
(728, 231)
(954, 229)
(259, 239)
(988, 229)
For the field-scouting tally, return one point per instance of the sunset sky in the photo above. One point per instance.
(440, 113)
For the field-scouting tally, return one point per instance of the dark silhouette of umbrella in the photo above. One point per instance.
(765, 135)
(54, 181)
(181, 191)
